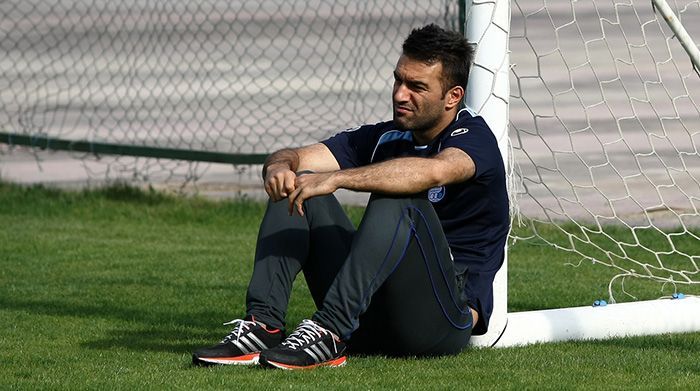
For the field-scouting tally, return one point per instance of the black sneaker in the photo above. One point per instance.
(242, 346)
(309, 346)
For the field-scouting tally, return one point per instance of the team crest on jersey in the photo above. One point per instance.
(436, 194)
(459, 131)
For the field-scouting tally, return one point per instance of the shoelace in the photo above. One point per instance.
(306, 332)
(239, 326)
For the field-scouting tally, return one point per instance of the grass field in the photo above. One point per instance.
(112, 289)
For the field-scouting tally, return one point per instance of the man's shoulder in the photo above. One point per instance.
(467, 118)
(471, 124)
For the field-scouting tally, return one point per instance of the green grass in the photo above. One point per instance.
(112, 289)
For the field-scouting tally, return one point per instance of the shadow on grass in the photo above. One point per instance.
(167, 340)
(143, 330)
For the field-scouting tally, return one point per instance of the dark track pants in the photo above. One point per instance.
(389, 287)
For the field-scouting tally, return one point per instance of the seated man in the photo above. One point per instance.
(416, 277)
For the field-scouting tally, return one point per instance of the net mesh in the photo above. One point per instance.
(226, 76)
(605, 129)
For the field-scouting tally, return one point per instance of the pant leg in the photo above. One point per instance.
(317, 243)
(397, 293)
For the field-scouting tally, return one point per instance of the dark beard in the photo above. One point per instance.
(421, 128)
(399, 125)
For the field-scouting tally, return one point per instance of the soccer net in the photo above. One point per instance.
(605, 133)
(602, 137)
(239, 77)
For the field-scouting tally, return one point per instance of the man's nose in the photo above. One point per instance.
(401, 93)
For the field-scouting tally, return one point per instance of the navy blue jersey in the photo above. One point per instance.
(473, 214)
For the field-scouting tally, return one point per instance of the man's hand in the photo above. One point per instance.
(279, 170)
(311, 185)
(279, 181)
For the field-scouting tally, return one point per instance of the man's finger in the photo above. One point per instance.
(289, 187)
(275, 189)
(279, 187)
(296, 199)
(292, 198)
(299, 203)
(268, 189)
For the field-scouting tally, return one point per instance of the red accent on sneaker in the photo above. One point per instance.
(248, 359)
(263, 325)
(337, 362)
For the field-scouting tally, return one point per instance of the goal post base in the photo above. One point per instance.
(653, 317)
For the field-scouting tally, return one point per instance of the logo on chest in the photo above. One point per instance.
(436, 194)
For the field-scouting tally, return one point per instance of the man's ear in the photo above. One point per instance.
(453, 97)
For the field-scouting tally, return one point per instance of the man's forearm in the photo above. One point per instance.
(288, 157)
(407, 175)
(401, 176)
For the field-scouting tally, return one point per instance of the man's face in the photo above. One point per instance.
(419, 103)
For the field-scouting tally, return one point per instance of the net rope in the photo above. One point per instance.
(605, 129)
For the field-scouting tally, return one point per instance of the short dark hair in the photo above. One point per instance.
(432, 44)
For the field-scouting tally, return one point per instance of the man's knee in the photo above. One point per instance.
(321, 204)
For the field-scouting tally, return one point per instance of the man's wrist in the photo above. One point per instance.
(338, 179)
(287, 158)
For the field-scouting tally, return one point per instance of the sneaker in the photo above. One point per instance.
(309, 346)
(242, 346)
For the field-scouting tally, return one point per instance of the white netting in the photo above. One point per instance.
(605, 128)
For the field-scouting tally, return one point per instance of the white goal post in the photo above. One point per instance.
(604, 123)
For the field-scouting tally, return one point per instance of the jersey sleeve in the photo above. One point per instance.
(352, 147)
(477, 140)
